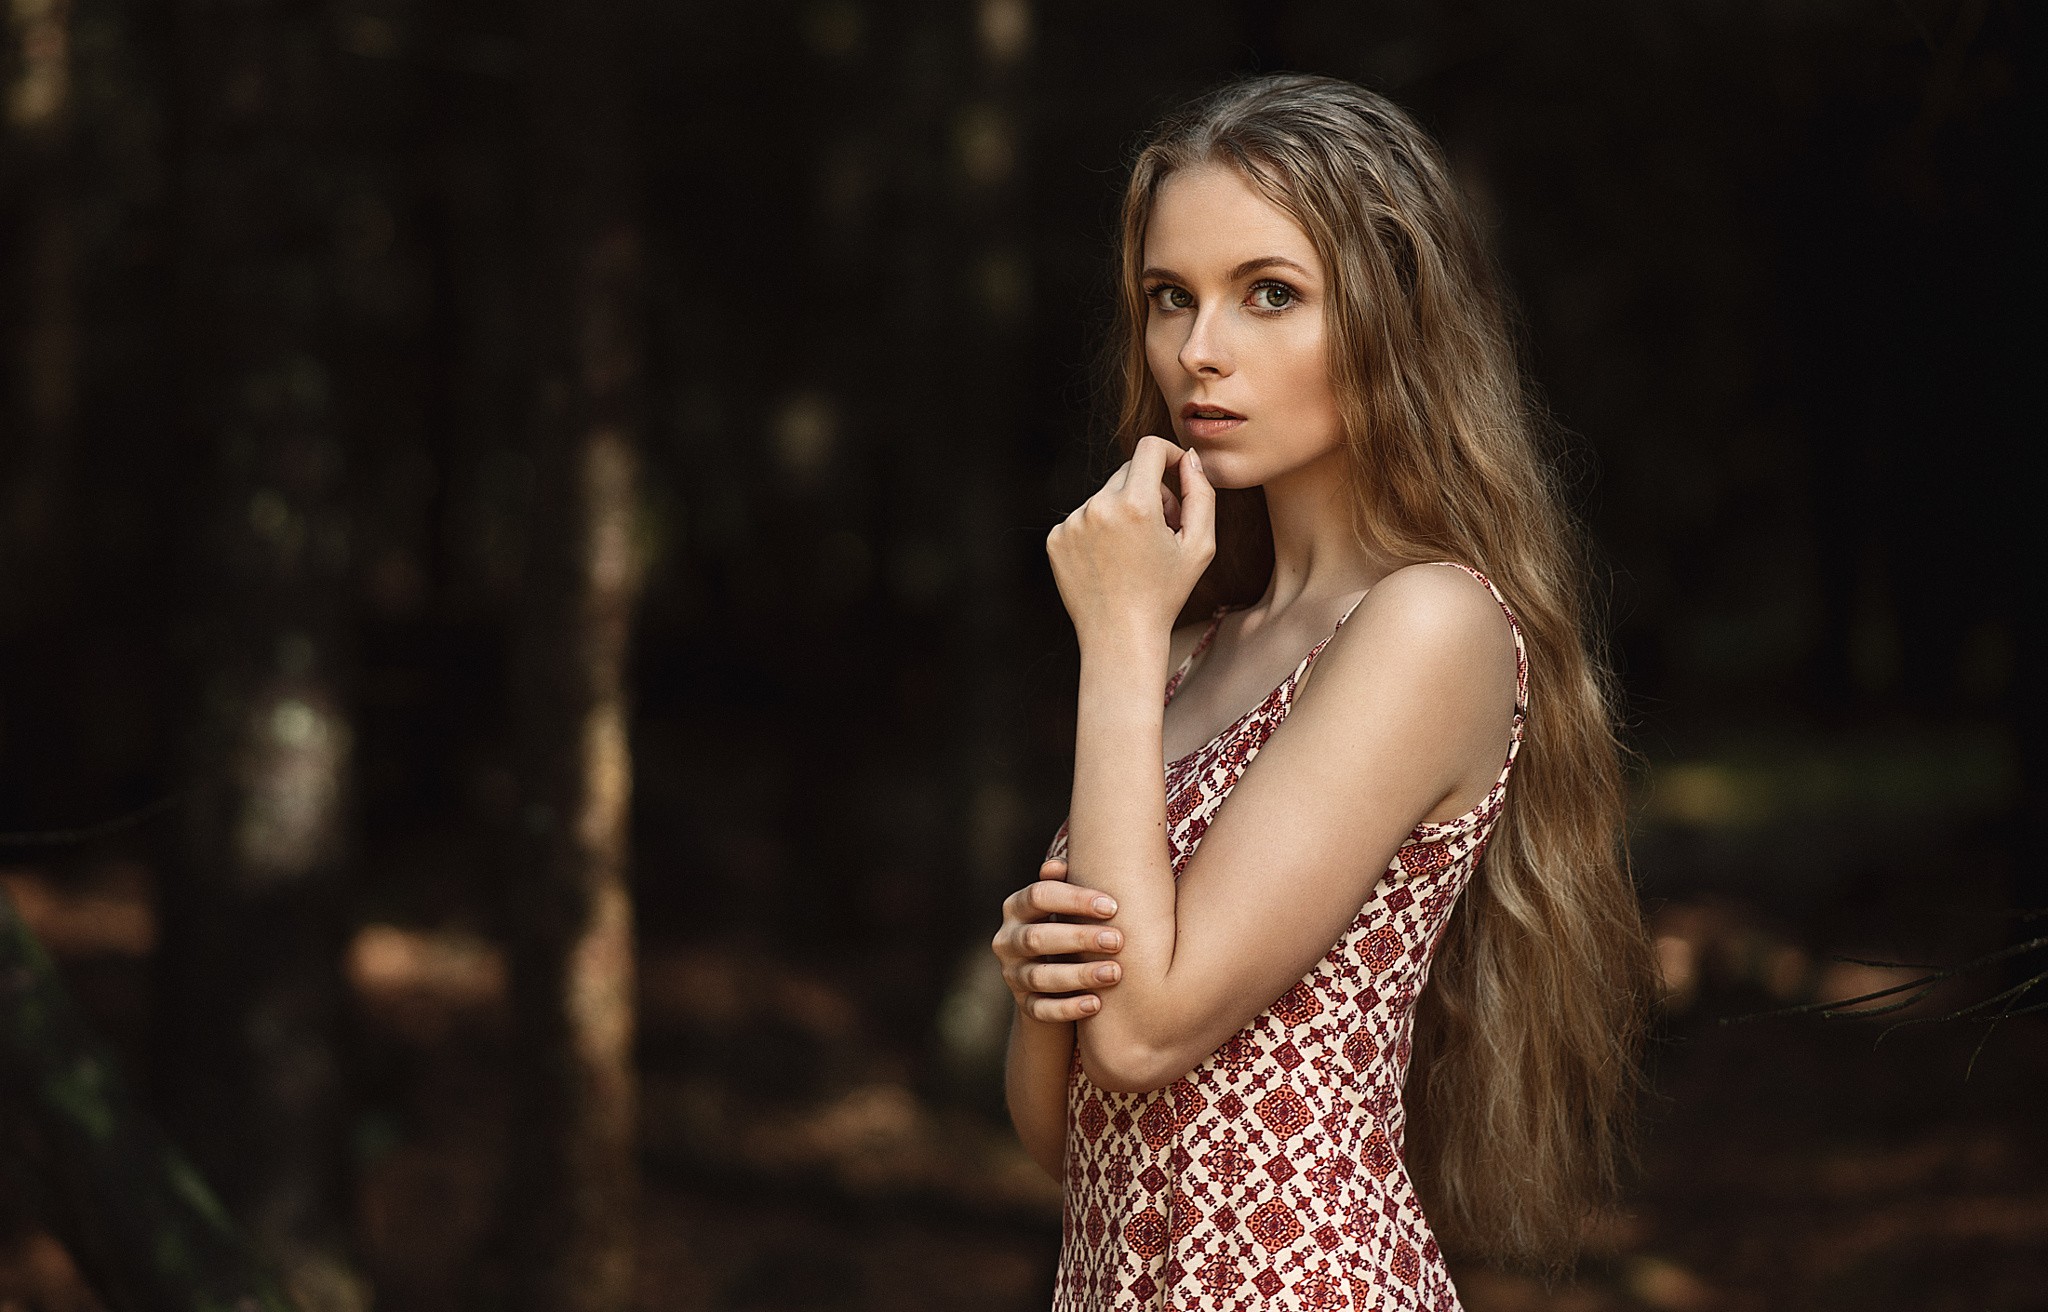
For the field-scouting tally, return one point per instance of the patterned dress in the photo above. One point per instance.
(1271, 1176)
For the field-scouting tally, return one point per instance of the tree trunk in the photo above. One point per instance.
(137, 1218)
(253, 913)
(568, 1221)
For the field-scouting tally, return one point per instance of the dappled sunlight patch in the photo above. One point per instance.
(1887, 776)
(423, 983)
(1613, 1275)
(1678, 970)
(1710, 795)
(1613, 1231)
(1482, 1290)
(871, 1134)
(724, 989)
(1660, 1283)
(874, 1140)
(1907, 1168)
(1837, 1246)
(106, 913)
(36, 1273)
(1717, 945)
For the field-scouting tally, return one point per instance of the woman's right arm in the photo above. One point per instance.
(1050, 995)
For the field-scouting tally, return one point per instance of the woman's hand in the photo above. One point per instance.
(1030, 946)
(1131, 554)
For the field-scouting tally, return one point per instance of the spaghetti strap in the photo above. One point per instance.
(1187, 662)
(1514, 626)
(1301, 670)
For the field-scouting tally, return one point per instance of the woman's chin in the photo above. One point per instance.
(1223, 475)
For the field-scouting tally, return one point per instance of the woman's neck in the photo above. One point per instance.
(1315, 554)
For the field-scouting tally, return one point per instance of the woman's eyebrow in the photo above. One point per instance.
(1250, 267)
(1243, 270)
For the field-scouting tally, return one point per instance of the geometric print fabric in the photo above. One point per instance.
(1271, 1175)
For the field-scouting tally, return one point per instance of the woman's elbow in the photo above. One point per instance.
(1128, 1066)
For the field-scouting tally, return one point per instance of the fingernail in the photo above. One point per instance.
(1090, 1004)
(1110, 939)
(1195, 459)
(1105, 972)
(1105, 907)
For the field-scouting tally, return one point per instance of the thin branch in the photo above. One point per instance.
(1960, 1012)
(1887, 965)
(1842, 1006)
(1848, 1009)
(1833, 1006)
(1985, 1037)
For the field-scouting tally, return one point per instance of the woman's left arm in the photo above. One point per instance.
(1406, 707)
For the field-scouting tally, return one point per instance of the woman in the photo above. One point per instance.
(1217, 1005)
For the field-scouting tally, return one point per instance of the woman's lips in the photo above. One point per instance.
(1209, 420)
(1211, 428)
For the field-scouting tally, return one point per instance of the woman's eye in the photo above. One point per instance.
(1272, 296)
(1168, 297)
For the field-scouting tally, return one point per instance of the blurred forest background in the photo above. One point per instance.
(527, 663)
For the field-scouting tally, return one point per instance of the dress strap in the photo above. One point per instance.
(1187, 662)
(1514, 626)
(1294, 679)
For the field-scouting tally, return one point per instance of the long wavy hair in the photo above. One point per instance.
(1527, 1041)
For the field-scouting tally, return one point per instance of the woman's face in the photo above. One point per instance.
(1234, 332)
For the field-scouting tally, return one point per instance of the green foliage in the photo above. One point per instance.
(137, 1217)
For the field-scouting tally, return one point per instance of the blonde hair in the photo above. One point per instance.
(1527, 1041)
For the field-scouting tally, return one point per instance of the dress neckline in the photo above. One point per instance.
(1280, 690)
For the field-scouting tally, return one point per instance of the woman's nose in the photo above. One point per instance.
(1204, 352)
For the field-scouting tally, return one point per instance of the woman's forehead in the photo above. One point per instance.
(1210, 219)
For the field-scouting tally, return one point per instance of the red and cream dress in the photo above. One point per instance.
(1271, 1176)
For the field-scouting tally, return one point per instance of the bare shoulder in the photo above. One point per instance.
(1436, 629)
(1438, 603)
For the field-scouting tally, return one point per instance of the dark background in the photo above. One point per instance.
(1774, 263)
